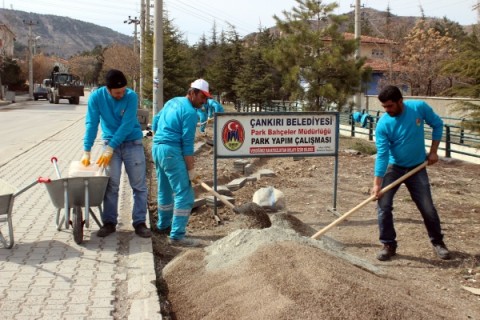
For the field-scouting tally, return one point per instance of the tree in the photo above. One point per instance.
(422, 57)
(11, 73)
(465, 68)
(83, 67)
(222, 72)
(122, 58)
(256, 81)
(177, 70)
(316, 63)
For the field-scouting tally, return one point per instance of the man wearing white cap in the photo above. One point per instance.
(172, 151)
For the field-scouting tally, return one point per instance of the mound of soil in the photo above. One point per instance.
(249, 270)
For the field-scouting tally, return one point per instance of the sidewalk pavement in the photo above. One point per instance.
(46, 275)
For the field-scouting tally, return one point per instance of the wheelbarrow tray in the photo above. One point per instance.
(7, 194)
(75, 188)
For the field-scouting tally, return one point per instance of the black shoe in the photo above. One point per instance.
(142, 231)
(106, 229)
(442, 251)
(387, 252)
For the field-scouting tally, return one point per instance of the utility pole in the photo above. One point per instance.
(477, 7)
(158, 57)
(30, 58)
(147, 18)
(357, 98)
(135, 22)
(142, 49)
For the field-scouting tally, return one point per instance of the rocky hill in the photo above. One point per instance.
(373, 23)
(60, 36)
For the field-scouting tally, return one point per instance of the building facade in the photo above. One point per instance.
(7, 40)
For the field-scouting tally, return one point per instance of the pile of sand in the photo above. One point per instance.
(276, 273)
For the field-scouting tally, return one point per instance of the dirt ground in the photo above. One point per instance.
(246, 272)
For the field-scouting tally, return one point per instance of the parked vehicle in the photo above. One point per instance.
(40, 93)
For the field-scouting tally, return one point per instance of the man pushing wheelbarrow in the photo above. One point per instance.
(114, 107)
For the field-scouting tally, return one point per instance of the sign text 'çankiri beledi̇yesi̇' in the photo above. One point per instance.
(296, 135)
(277, 134)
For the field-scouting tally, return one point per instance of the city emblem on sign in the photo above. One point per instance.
(233, 135)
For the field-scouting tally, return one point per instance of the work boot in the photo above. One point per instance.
(163, 231)
(184, 242)
(442, 251)
(142, 231)
(106, 229)
(387, 252)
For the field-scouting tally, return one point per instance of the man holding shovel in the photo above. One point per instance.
(172, 151)
(400, 146)
(206, 113)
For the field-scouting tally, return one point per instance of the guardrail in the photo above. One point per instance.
(457, 142)
(270, 106)
(456, 139)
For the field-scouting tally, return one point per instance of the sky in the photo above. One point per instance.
(195, 18)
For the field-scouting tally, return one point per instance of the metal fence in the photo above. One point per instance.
(456, 140)
(270, 106)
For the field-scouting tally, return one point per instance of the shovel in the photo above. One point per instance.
(216, 194)
(250, 209)
(371, 198)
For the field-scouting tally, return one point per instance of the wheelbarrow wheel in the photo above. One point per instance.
(77, 225)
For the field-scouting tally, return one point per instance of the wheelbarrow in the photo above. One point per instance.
(76, 193)
(7, 197)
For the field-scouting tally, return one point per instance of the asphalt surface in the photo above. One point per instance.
(46, 275)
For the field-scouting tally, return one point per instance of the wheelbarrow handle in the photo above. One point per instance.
(39, 180)
(43, 180)
(54, 160)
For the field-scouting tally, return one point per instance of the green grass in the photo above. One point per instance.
(363, 146)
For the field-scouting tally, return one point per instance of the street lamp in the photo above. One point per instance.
(35, 44)
(136, 22)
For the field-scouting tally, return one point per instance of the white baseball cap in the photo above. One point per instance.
(201, 85)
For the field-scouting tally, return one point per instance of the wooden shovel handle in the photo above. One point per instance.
(371, 198)
(215, 193)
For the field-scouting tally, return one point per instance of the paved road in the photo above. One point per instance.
(46, 275)
(27, 123)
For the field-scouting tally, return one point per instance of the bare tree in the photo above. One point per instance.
(421, 59)
(42, 67)
(122, 58)
(83, 67)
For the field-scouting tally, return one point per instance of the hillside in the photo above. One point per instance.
(60, 36)
(374, 23)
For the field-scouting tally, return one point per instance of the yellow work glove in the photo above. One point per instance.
(192, 175)
(86, 158)
(210, 120)
(105, 158)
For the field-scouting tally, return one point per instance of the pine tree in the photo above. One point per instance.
(317, 63)
(256, 81)
(222, 72)
(465, 67)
